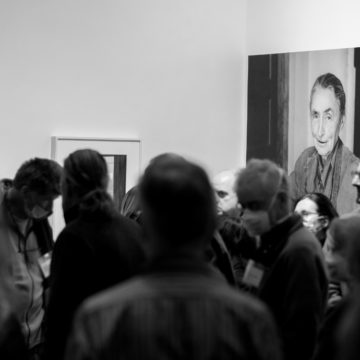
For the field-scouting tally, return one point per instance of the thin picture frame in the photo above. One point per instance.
(127, 157)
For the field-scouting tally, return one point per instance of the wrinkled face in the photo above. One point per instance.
(356, 182)
(326, 122)
(226, 198)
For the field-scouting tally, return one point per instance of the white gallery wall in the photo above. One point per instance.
(280, 26)
(170, 73)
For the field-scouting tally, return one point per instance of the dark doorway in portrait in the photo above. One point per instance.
(268, 93)
(357, 103)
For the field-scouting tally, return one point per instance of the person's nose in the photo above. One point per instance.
(356, 180)
(321, 129)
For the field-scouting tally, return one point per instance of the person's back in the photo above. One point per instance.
(96, 250)
(179, 307)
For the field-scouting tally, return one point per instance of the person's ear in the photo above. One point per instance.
(24, 190)
(325, 221)
(342, 123)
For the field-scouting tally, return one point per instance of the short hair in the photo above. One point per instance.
(330, 81)
(265, 175)
(86, 172)
(323, 203)
(40, 175)
(177, 199)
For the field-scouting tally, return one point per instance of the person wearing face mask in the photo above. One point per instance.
(286, 269)
(317, 212)
(25, 204)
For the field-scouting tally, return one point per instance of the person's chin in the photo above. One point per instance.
(322, 148)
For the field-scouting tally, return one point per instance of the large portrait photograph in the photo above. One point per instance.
(304, 114)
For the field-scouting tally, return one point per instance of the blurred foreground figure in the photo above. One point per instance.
(25, 204)
(97, 249)
(179, 308)
(349, 345)
(287, 269)
(12, 341)
(343, 233)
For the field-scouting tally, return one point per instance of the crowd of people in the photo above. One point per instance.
(189, 268)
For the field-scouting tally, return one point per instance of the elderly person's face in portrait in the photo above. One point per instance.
(356, 183)
(326, 120)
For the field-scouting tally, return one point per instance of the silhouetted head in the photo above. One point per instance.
(85, 181)
(344, 258)
(178, 204)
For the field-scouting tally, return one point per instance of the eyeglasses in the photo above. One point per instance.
(306, 214)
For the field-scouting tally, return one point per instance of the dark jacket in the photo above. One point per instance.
(294, 285)
(94, 252)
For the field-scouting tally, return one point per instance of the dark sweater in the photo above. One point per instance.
(294, 285)
(93, 252)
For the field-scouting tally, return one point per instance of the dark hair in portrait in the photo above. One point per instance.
(330, 81)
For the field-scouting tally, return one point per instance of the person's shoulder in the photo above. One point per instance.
(307, 153)
(350, 157)
(118, 296)
(302, 243)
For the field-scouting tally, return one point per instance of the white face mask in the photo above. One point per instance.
(37, 212)
(314, 223)
(258, 222)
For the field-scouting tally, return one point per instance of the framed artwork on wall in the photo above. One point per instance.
(122, 157)
(304, 114)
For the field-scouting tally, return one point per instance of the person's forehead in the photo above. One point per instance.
(306, 205)
(250, 194)
(224, 180)
(47, 196)
(324, 99)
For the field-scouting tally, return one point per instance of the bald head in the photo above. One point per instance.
(226, 198)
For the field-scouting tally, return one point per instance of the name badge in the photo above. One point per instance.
(45, 262)
(253, 274)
